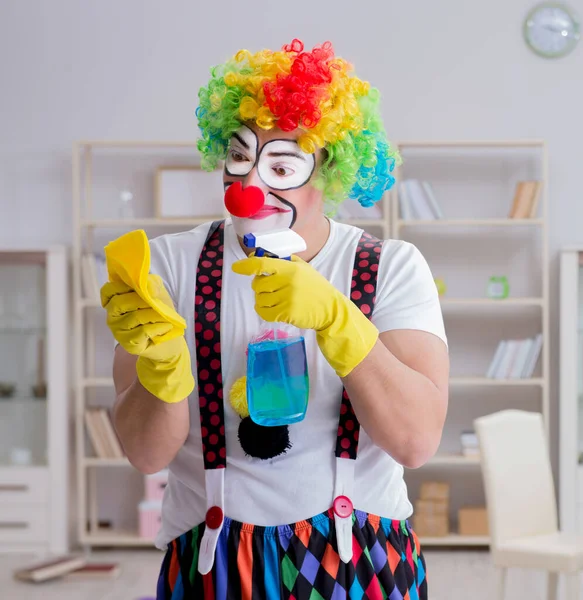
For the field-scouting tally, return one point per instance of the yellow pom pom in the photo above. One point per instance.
(238, 397)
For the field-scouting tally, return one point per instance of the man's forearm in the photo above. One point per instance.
(401, 410)
(151, 431)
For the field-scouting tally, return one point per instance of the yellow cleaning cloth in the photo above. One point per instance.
(128, 261)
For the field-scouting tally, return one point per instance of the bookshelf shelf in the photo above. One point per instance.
(455, 540)
(146, 222)
(94, 382)
(478, 144)
(488, 302)
(115, 538)
(153, 222)
(454, 460)
(361, 222)
(469, 222)
(90, 461)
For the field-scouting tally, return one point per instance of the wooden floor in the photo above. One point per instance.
(456, 575)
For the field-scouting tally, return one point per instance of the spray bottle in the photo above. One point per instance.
(277, 368)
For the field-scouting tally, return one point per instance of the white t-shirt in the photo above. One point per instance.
(299, 484)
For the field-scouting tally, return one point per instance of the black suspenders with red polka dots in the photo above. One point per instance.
(207, 333)
(207, 311)
(363, 294)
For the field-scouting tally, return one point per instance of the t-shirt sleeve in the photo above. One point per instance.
(406, 296)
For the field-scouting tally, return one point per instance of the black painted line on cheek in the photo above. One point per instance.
(287, 203)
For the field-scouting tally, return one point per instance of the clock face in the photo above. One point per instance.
(551, 30)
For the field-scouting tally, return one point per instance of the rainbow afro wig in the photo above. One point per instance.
(314, 92)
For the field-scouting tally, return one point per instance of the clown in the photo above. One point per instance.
(318, 509)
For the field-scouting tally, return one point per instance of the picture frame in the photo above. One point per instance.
(186, 192)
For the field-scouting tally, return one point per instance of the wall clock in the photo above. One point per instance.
(551, 30)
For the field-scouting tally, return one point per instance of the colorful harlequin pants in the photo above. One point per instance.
(298, 562)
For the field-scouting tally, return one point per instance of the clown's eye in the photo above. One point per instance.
(237, 156)
(282, 171)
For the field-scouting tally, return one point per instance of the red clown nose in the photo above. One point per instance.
(243, 203)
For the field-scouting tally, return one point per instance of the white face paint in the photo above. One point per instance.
(242, 153)
(274, 215)
(283, 166)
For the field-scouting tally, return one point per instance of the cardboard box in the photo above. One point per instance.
(431, 526)
(473, 520)
(434, 490)
(430, 508)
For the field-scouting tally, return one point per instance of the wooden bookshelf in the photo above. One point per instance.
(472, 209)
(90, 228)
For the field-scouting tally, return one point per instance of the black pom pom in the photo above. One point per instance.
(263, 442)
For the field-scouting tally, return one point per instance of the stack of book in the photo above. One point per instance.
(515, 359)
(469, 443)
(431, 516)
(526, 197)
(102, 434)
(417, 201)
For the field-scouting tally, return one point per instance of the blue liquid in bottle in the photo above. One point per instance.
(277, 381)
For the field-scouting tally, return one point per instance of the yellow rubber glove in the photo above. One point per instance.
(142, 318)
(294, 292)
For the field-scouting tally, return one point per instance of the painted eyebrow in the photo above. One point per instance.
(293, 154)
(241, 141)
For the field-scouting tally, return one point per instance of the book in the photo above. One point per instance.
(470, 444)
(420, 204)
(496, 360)
(102, 434)
(94, 571)
(108, 432)
(430, 195)
(50, 569)
(97, 441)
(417, 201)
(525, 201)
(533, 355)
(404, 202)
(515, 359)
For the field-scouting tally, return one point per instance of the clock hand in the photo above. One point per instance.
(555, 29)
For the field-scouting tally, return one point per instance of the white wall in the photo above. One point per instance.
(132, 68)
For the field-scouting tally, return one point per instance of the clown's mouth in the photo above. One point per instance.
(268, 211)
